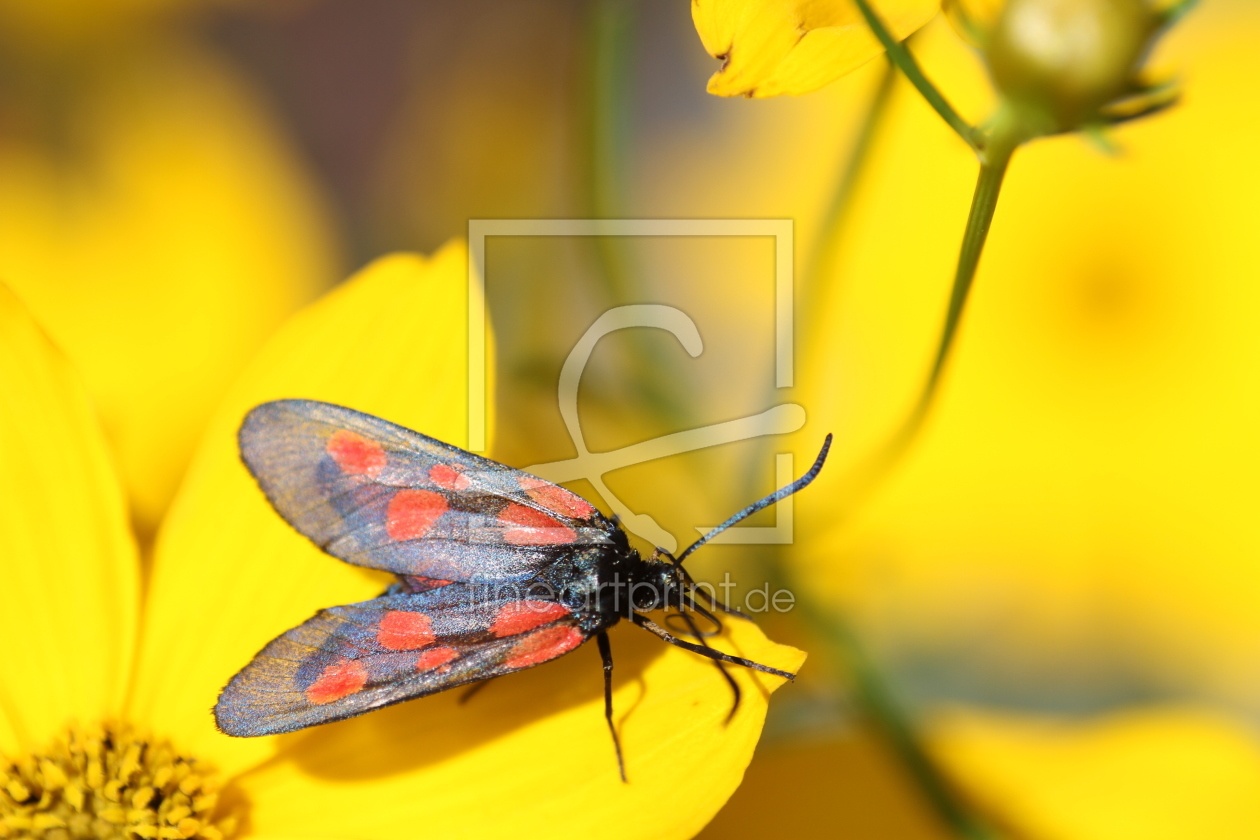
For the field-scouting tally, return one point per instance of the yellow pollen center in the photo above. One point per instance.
(108, 783)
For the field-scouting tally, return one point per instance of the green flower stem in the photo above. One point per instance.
(875, 699)
(611, 31)
(995, 154)
(1176, 12)
(900, 56)
(995, 157)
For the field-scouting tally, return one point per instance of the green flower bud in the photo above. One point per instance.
(1058, 62)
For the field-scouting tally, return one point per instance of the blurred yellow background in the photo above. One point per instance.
(1059, 582)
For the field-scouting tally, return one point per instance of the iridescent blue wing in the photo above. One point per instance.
(349, 660)
(382, 496)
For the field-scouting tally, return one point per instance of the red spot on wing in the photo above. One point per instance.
(519, 616)
(556, 498)
(340, 679)
(411, 513)
(435, 658)
(401, 630)
(542, 645)
(526, 526)
(449, 478)
(416, 583)
(355, 454)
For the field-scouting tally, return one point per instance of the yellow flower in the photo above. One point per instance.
(795, 46)
(159, 242)
(1086, 469)
(530, 750)
(1158, 773)
(1073, 528)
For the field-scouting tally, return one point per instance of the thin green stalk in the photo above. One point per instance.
(900, 56)
(611, 37)
(612, 27)
(994, 160)
(872, 694)
(1176, 12)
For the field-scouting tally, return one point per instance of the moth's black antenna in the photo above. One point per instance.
(713, 602)
(764, 503)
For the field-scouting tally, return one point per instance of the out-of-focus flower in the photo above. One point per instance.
(1071, 532)
(1083, 479)
(1074, 530)
(1159, 773)
(159, 227)
(794, 47)
(228, 576)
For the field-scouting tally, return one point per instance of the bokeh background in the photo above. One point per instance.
(1058, 584)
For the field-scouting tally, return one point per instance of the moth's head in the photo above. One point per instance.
(666, 582)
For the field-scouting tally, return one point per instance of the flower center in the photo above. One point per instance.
(109, 783)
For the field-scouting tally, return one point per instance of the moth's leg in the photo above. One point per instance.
(473, 690)
(718, 605)
(695, 631)
(605, 653)
(655, 629)
(687, 602)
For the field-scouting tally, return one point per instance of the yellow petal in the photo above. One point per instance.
(160, 247)
(1158, 774)
(795, 47)
(68, 600)
(229, 574)
(531, 752)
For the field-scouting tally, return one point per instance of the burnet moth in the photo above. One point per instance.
(498, 571)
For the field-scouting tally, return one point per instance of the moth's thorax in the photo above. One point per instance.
(628, 583)
(657, 584)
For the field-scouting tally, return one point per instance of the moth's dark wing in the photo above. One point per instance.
(379, 495)
(349, 660)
